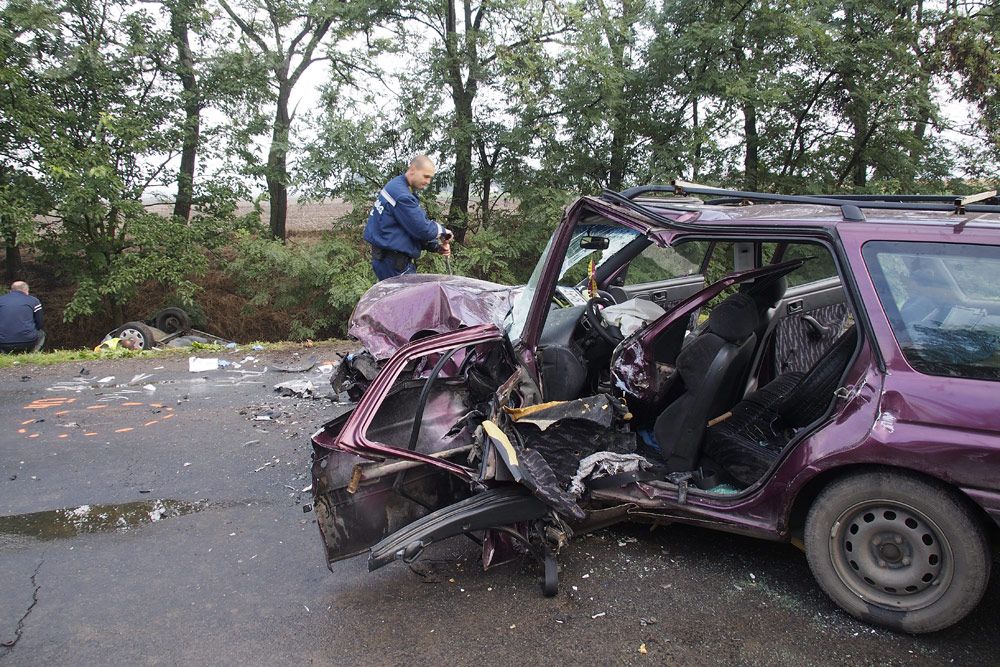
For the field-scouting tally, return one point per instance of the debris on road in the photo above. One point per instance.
(199, 364)
(301, 388)
(301, 368)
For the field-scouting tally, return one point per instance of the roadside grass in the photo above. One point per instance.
(62, 356)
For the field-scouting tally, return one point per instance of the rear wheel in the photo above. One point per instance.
(898, 551)
(138, 335)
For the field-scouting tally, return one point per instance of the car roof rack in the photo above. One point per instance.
(851, 206)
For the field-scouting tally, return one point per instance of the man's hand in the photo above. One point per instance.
(444, 246)
(447, 236)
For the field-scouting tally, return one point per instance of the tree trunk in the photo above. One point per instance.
(857, 115)
(618, 40)
(458, 212)
(619, 138)
(858, 167)
(487, 168)
(463, 93)
(12, 262)
(277, 164)
(192, 109)
(751, 164)
(696, 158)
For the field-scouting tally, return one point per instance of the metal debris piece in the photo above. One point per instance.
(301, 388)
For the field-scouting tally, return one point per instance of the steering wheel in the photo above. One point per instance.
(597, 323)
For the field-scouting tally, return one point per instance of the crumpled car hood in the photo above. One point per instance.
(393, 310)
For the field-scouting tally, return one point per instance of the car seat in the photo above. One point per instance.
(710, 369)
(766, 293)
(747, 443)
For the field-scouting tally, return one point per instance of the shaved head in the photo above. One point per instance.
(420, 172)
(421, 162)
(19, 286)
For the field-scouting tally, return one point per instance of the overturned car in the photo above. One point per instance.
(833, 384)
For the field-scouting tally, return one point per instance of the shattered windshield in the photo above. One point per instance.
(575, 266)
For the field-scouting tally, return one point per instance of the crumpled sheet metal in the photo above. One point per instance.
(393, 310)
(604, 464)
(554, 437)
(598, 409)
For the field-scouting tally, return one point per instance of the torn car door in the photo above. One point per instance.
(403, 452)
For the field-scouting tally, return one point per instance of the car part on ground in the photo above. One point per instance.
(171, 320)
(135, 336)
(170, 327)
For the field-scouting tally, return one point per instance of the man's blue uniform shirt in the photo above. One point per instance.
(398, 223)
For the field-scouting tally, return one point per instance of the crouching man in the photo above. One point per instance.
(20, 320)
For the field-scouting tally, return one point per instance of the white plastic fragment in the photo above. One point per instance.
(198, 364)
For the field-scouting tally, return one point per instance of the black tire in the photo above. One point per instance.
(138, 333)
(897, 550)
(171, 320)
(550, 576)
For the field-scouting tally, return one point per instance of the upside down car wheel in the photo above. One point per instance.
(138, 334)
(895, 550)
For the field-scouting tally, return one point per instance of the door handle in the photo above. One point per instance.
(816, 329)
(794, 307)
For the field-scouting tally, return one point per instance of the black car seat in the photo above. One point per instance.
(710, 369)
(747, 443)
(766, 293)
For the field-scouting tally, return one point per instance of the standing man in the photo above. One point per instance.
(398, 229)
(20, 320)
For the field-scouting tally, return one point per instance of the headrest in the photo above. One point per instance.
(734, 319)
(926, 277)
(766, 292)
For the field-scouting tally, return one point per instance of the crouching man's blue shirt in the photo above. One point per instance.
(398, 223)
(20, 318)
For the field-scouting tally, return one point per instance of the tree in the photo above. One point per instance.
(182, 14)
(468, 43)
(25, 28)
(288, 35)
(600, 104)
(970, 43)
(101, 134)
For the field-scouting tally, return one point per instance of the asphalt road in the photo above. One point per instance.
(159, 520)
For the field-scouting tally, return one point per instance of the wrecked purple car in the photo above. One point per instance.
(813, 369)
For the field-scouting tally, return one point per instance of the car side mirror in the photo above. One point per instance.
(595, 243)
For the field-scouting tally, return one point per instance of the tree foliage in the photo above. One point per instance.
(107, 104)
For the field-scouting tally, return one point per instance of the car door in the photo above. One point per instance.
(810, 316)
(662, 274)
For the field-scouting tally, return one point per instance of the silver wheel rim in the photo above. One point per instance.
(891, 555)
(133, 335)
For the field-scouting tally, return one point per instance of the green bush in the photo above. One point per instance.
(315, 284)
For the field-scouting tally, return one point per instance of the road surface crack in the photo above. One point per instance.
(34, 600)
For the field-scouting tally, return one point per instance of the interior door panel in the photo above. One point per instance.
(663, 293)
(806, 322)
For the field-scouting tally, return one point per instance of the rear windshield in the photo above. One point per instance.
(943, 303)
